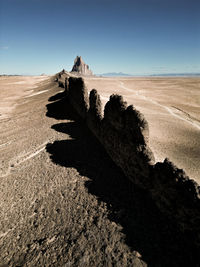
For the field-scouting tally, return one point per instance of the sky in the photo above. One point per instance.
(138, 37)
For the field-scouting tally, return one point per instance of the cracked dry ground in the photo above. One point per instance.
(63, 202)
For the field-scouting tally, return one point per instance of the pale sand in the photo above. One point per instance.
(172, 109)
(63, 201)
(13, 88)
(49, 216)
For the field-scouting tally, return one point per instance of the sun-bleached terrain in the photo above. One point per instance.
(54, 210)
(172, 109)
(14, 88)
(63, 200)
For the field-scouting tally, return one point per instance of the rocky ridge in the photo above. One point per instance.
(123, 132)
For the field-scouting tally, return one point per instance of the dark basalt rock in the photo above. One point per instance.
(123, 131)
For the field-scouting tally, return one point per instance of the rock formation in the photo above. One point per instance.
(80, 67)
(123, 132)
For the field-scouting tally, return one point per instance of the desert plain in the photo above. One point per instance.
(171, 106)
(62, 200)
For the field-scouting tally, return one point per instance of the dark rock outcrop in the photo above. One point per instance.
(123, 132)
(122, 135)
(78, 96)
(94, 115)
(61, 78)
(80, 67)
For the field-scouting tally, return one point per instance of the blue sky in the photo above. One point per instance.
(136, 37)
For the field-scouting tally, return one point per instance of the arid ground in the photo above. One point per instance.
(63, 202)
(172, 109)
(48, 217)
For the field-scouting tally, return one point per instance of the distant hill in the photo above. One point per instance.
(8, 75)
(177, 74)
(121, 74)
(114, 74)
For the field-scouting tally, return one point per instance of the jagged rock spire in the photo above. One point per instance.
(80, 67)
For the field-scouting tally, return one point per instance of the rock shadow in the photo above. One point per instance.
(60, 109)
(58, 96)
(146, 230)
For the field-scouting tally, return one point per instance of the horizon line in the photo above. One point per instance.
(114, 74)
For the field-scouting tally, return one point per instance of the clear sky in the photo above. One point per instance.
(130, 36)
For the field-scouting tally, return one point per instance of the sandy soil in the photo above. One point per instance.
(13, 88)
(47, 215)
(172, 109)
(63, 202)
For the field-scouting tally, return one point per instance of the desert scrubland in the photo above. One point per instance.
(63, 202)
(172, 109)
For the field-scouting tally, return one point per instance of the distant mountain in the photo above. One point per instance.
(11, 75)
(121, 74)
(114, 74)
(177, 74)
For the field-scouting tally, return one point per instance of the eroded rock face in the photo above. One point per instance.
(78, 96)
(123, 131)
(80, 67)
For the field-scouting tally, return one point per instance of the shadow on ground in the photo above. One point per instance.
(58, 96)
(146, 230)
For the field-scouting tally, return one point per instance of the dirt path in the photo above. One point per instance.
(64, 202)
